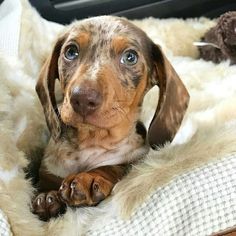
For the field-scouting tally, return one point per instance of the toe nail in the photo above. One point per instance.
(49, 199)
(38, 201)
(95, 187)
(62, 186)
(72, 185)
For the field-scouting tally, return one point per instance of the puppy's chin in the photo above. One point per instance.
(101, 121)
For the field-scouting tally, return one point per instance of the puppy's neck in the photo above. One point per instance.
(91, 136)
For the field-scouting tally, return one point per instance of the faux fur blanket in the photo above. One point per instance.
(207, 135)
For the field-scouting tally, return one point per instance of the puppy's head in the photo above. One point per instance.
(105, 66)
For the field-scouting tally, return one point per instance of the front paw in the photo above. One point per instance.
(85, 189)
(48, 205)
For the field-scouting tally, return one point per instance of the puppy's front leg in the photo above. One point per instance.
(90, 188)
(83, 189)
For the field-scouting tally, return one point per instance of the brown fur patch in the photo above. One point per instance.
(83, 39)
(118, 44)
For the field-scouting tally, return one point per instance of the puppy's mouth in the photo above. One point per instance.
(102, 119)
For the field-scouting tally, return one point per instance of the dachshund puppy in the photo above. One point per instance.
(105, 66)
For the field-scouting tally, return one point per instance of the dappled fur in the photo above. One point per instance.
(205, 135)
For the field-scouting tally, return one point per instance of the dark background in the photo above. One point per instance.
(65, 11)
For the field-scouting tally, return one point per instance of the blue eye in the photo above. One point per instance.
(129, 57)
(71, 52)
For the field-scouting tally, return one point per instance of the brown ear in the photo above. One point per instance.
(45, 90)
(172, 104)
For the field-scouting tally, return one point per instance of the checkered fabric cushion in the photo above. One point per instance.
(4, 225)
(197, 203)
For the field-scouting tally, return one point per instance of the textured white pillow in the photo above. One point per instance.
(10, 20)
(197, 203)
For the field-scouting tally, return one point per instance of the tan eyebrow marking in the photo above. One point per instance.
(83, 39)
(118, 44)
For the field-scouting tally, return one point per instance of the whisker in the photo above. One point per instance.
(122, 112)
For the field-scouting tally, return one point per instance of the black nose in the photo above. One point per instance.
(85, 100)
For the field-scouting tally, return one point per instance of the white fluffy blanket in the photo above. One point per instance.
(167, 181)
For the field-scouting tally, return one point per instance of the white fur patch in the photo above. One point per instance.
(185, 133)
(95, 70)
(20, 127)
(7, 175)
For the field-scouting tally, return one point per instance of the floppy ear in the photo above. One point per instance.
(45, 90)
(172, 104)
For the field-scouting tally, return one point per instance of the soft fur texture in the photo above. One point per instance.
(208, 132)
(223, 40)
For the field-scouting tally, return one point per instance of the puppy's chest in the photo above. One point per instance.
(62, 159)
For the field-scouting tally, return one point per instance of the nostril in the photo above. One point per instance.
(77, 103)
(92, 104)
